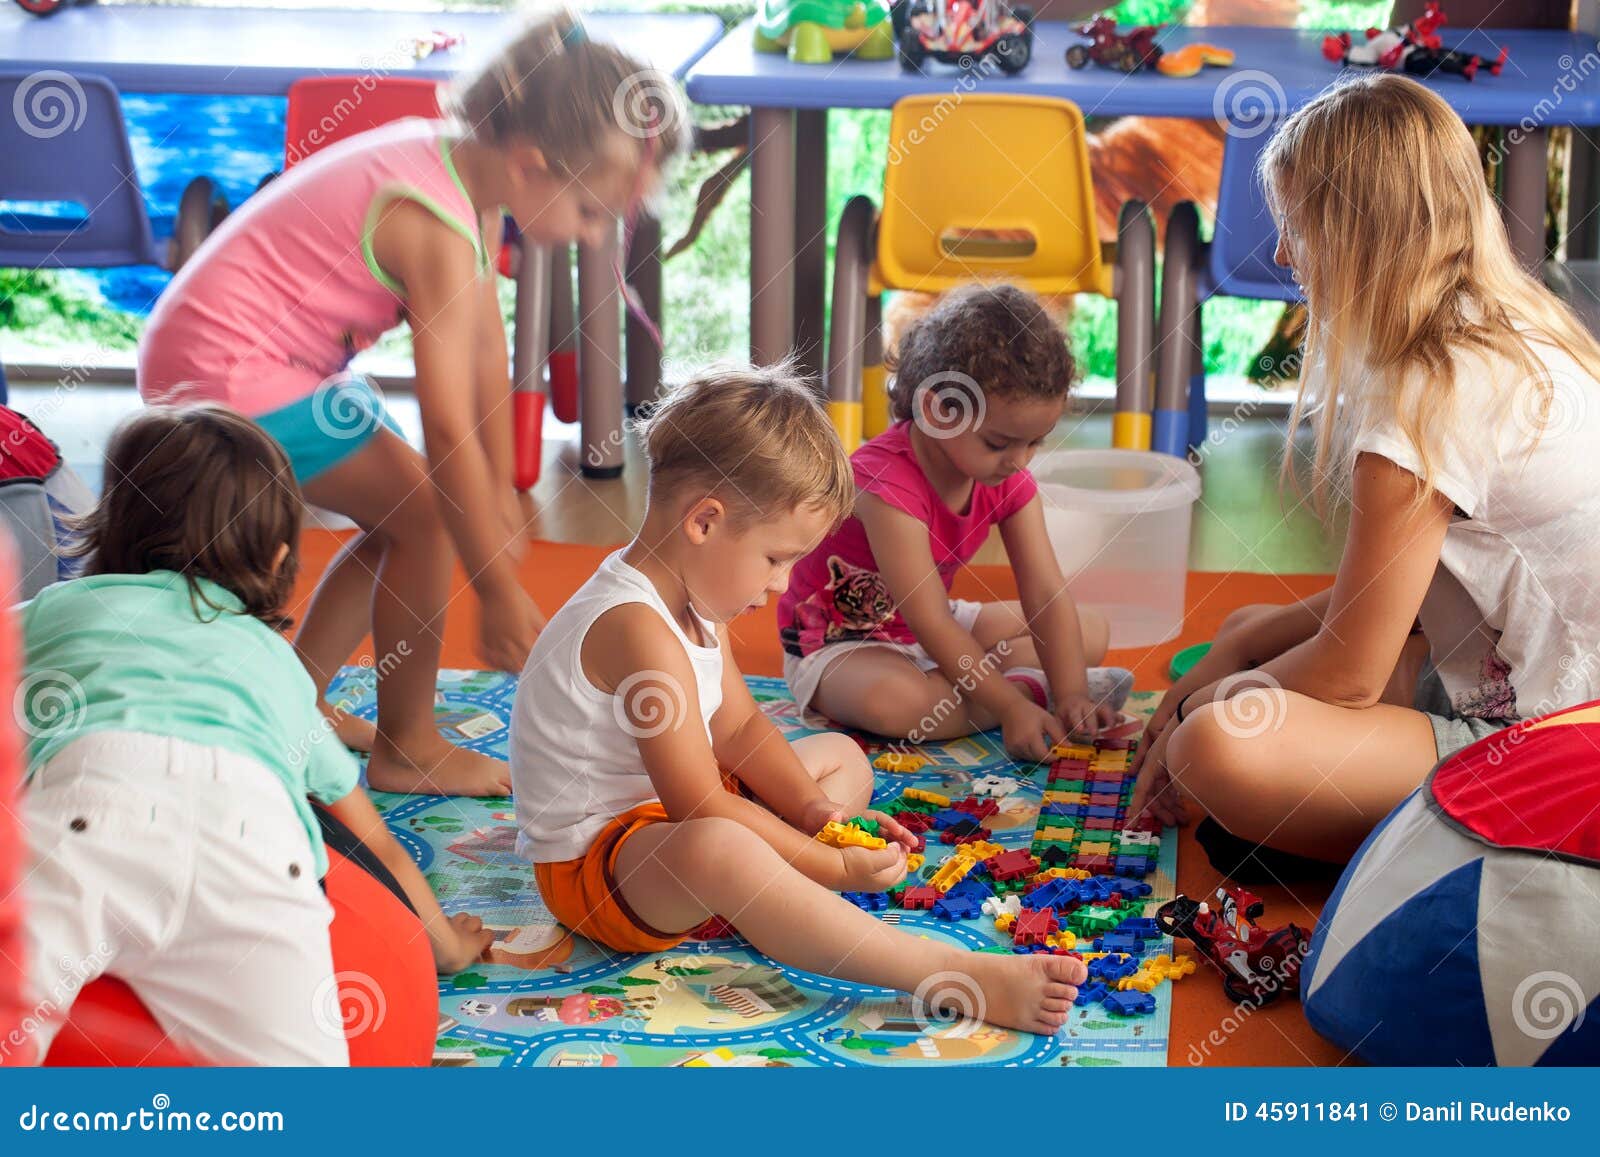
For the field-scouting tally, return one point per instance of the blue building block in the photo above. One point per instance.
(1064, 810)
(948, 817)
(1091, 993)
(1052, 894)
(970, 887)
(1102, 813)
(1131, 866)
(1112, 968)
(1132, 889)
(1119, 942)
(950, 907)
(1129, 1003)
(1144, 927)
(868, 901)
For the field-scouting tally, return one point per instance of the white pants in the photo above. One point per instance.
(184, 871)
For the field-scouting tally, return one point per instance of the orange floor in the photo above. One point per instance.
(1206, 1027)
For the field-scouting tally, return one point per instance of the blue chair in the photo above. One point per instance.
(68, 178)
(1236, 262)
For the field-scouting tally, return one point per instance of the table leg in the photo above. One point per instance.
(1526, 192)
(599, 362)
(772, 225)
(810, 237)
(644, 274)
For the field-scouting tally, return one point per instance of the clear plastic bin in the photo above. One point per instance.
(1119, 523)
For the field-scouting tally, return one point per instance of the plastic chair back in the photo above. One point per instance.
(69, 195)
(989, 188)
(1246, 236)
(324, 110)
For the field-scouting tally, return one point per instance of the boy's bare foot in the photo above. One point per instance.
(432, 765)
(354, 732)
(1031, 993)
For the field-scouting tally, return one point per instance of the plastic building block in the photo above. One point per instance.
(903, 762)
(1011, 865)
(1071, 751)
(1130, 836)
(1064, 835)
(1110, 968)
(1137, 889)
(973, 887)
(917, 795)
(1144, 927)
(1131, 866)
(980, 850)
(978, 809)
(866, 825)
(998, 905)
(1094, 921)
(953, 907)
(1129, 1003)
(919, 897)
(1061, 874)
(868, 901)
(837, 835)
(914, 861)
(1119, 942)
(1034, 927)
(1095, 848)
(950, 873)
(1062, 941)
(1092, 993)
(998, 786)
(945, 817)
(1092, 863)
(961, 830)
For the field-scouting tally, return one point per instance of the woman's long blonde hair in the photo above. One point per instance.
(1399, 247)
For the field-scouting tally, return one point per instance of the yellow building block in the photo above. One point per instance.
(1066, 797)
(1004, 921)
(978, 850)
(904, 762)
(1072, 751)
(1094, 848)
(837, 835)
(916, 793)
(1109, 761)
(1063, 939)
(1062, 874)
(1054, 834)
(914, 861)
(952, 872)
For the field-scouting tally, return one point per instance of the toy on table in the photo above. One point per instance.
(1137, 49)
(964, 32)
(425, 46)
(812, 31)
(1257, 966)
(1415, 48)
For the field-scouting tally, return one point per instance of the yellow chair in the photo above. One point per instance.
(982, 187)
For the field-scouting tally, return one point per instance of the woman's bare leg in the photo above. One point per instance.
(1298, 774)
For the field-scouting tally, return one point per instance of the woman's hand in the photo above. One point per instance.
(1156, 792)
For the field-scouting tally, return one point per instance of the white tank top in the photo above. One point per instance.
(575, 760)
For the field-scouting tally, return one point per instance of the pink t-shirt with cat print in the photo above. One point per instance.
(836, 593)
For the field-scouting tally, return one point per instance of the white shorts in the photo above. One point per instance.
(804, 673)
(184, 871)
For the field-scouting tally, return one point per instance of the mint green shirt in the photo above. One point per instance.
(128, 653)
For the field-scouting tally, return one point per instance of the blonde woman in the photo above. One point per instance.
(1454, 402)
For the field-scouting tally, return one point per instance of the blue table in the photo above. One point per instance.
(1276, 71)
(257, 51)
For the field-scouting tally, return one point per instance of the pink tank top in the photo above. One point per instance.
(287, 291)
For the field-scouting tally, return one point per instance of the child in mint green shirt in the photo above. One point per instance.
(174, 745)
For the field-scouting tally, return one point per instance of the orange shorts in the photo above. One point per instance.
(583, 893)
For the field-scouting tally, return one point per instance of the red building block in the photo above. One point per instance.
(1032, 927)
(978, 809)
(1092, 863)
(1011, 865)
(919, 898)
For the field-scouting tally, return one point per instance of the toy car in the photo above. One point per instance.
(1129, 52)
(1415, 48)
(1126, 52)
(964, 32)
(1257, 966)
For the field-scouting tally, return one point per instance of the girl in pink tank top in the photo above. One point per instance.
(401, 225)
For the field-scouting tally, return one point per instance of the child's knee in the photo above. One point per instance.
(890, 708)
(840, 758)
(700, 849)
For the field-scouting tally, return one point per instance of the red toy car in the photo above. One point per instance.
(963, 32)
(1126, 52)
(1257, 966)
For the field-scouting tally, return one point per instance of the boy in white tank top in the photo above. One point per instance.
(651, 791)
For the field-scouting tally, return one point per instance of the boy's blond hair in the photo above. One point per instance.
(758, 439)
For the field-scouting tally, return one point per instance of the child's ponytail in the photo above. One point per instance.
(554, 87)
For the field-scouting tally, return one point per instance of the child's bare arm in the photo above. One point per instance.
(457, 940)
(900, 546)
(632, 654)
(444, 304)
(1049, 610)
